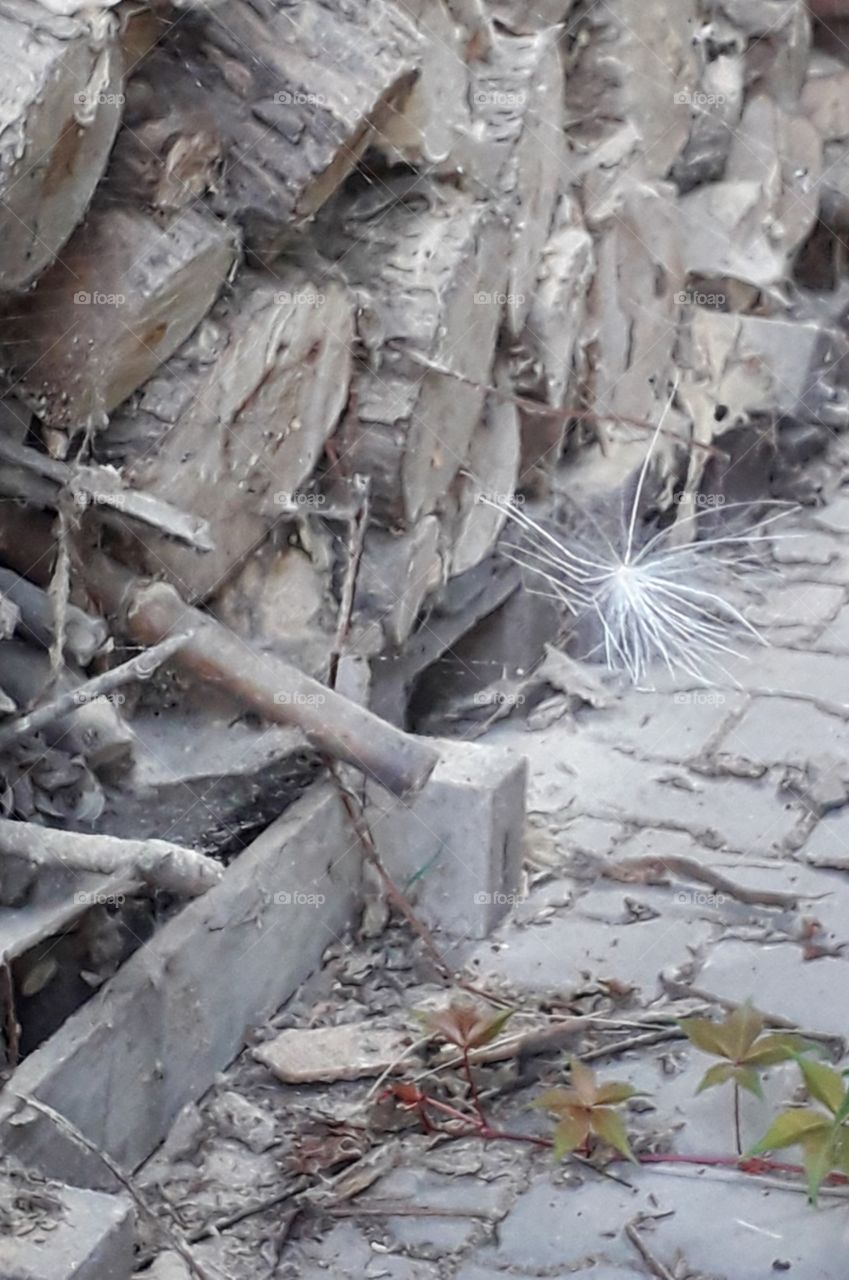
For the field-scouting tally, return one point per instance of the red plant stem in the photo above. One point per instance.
(473, 1089)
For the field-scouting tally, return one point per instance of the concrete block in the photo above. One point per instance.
(53, 1232)
(456, 850)
(178, 1011)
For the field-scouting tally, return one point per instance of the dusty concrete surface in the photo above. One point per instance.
(746, 778)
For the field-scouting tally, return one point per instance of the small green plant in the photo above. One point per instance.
(822, 1135)
(587, 1110)
(745, 1050)
(468, 1027)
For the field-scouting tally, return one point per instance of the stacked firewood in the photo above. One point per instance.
(296, 296)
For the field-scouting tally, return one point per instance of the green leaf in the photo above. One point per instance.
(615, 1092)
(705, 1035)
(817, 1157)
(771, 1049)
(611, 1129)
(822, 1083)
(582, 1079)
(747, 1078)
(790, 1127)
(555, 1100)
(493, 1028)
(740, 1031)
(719, 1073)
(571, 1133)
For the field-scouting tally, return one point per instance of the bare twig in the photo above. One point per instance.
(356, 541)
(655, 1266)
(630, 869)
(84, 635)
(137, 668)
(172, 1235)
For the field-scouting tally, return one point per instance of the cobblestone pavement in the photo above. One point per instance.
(749, 778)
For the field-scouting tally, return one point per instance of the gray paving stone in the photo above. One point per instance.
(589, 777)
(484, 1201)
(834, 638)
(554, 955)
(794, 604)
(813, 993)
(673, 726)
(785, 730)
(65, 1233)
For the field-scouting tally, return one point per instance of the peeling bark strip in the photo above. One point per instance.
(297, 92)
(62, 84)
(430, 265)
(127, 291)
(233, 427)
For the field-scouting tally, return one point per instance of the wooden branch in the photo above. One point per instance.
(277, 691)
(99, 488)
(128, 290)
(431, 267)
(60, 109)
(83, 635)
(164, 865)
(232, 438)
(140, 667)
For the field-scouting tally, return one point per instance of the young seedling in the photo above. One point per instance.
(586, 1111)
(822, 1135)
(468, 1027)
(745, 1051)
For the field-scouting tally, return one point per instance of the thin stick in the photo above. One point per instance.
(172, 1236)
(11, 1026)
(356, 540)
(137, 668)
(655, 1266)
(738, 1140)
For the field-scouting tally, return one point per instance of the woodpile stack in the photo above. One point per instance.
(296, 296)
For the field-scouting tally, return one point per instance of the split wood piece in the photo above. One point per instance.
(95, 731)
(83, 635)
(234, 425)
(140, 667)
(430, 263)
(297, 93)
(280, 693)
(10, 614)
(62, 93)
(639, 64)
(127, 291)
(164, 865)
(515, 153)
(486, 483)
(549, 348)
(397, 573)
(634, 343)
(28, 473)
(282, 599)
(169, 150)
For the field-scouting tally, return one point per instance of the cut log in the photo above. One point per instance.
(83, 635)
(235, 424)
(430, 264)
(497, 125)
(280, 600)
(98, 324)
(297, 92)
(60, 108)
(94, 730)
(397, 573)
(169, 151)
